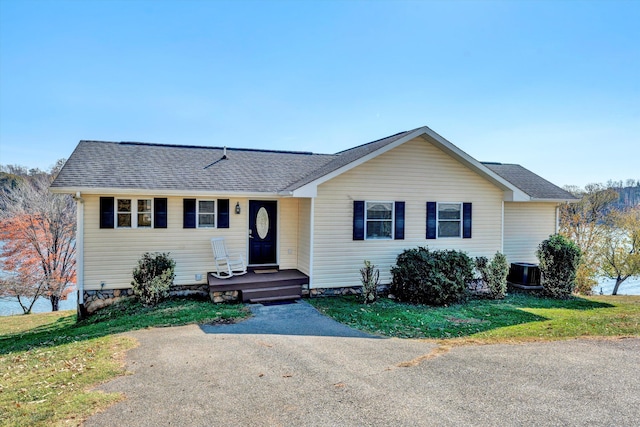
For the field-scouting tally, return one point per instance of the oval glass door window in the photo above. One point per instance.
(262, 223)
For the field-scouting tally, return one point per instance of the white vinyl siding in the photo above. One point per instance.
(526, 225)
(288, 233)
(304, 235)
(111, 254)
(414, 172)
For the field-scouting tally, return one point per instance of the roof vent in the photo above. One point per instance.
(224, 152)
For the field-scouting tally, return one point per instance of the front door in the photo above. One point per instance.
(262, 232)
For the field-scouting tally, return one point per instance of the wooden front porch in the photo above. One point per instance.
(262, 285)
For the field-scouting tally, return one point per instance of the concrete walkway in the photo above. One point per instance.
(291, 366)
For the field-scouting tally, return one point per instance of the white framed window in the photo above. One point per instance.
(123, 213)
(144, 213)
(378, 218)
(206, 213)
(134, 213)
(449, 219)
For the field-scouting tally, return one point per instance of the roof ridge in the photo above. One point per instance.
(377, 140)
(205, 147)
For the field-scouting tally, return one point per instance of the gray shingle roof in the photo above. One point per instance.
(125, 165)
(527, 181)
(132, 165)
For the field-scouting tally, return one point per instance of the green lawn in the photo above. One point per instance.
(518, 317)
(49, 363)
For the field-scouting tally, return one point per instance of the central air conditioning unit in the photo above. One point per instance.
(524, 274)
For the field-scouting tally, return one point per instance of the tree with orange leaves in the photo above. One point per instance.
(37, 229)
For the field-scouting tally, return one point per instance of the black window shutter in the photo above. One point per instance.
(106, 212)
(466, 220)
(223, 213)
(189, 211)
(432, 224)
(399, 222)
(358, 220)
(160, 213)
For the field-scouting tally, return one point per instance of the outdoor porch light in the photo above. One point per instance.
(238, 207)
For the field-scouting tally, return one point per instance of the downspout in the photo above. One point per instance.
(502, 230)
(80, 253)
(311, 242)
(557, 219)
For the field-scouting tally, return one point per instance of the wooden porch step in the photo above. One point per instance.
(288, 290)
(274, 299)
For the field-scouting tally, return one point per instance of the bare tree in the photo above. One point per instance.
(619, 251)
(37, 229)
(582, 222)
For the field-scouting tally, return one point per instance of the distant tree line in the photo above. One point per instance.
(37, 237)
(605, 224)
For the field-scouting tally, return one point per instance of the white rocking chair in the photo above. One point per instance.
(226, 265)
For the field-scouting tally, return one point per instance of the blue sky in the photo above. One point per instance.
(551, 85)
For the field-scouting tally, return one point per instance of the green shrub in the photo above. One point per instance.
(370, 281)
(431, 277)
(494, 274)
(559, 259)
(152, 277)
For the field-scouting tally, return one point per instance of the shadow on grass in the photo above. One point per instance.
(405, 320)
(122, 317)
(526, 300)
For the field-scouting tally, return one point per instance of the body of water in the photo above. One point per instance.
(10, 306)
(630, 286)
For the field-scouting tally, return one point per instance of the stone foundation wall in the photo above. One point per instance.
(223, 296)
(97, 299)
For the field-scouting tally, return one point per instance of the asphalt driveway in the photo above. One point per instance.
(291, 366)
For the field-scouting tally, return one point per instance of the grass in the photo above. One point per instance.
(49, 362)
(518, 317)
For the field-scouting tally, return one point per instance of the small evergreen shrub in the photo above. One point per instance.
(559, 259)
(152, 277)
(494, 274)
(370, 280)
(431, 277)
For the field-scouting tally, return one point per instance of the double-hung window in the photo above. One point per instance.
(206, 213)
(379, 220)
(124, 210)
(203, 213)
(449, 219)
(134, 213)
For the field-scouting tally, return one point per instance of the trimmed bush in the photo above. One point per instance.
(494, 274)
(559, 259)
(152, 277)
(431, 277)
(370, 280)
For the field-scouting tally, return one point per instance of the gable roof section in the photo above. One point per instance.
(534, 185)
(97, 166)
(362, 153)
(128, 167)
